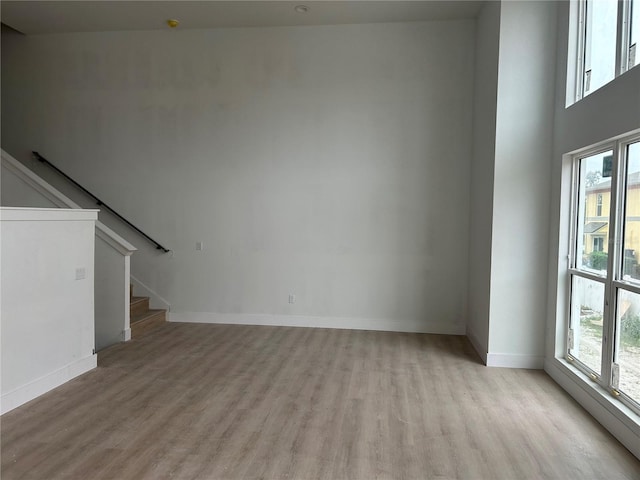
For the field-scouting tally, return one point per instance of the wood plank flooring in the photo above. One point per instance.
(244, 402)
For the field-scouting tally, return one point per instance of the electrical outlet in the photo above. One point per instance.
(81, 274)
(292, 298)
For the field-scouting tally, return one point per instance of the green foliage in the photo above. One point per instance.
(630, 329)
(598, 260)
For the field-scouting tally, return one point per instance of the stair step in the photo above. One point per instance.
(148, 320)
(138, 305)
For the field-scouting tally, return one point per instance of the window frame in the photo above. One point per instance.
(613, 279)
(625, 32)
(622, 49)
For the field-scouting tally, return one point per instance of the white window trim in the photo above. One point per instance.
(613, 414)
(603, 380)
(624, 31)
(578, 48)
(581, 35)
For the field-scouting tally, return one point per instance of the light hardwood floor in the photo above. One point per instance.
(242, 402)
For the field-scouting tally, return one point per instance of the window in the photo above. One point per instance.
(601, 18)
(608, 33)
(604, 313)
(598, 244)
(633, 56)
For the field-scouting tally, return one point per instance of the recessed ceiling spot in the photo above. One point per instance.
(172, 23)
(301, 8)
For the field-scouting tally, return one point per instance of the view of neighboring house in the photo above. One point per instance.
(595, 229)
(596, 226)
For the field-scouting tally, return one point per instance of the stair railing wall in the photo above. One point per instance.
(99, 202)
(112, 252)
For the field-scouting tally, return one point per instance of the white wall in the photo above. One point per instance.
(524, 133)
(14, 192)
(513, 127)
(482, 171)
(20, 188)
(112, 296)
(608, 112)
(328, 162)
(47, 313)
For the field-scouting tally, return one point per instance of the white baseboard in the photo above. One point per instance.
(35, 388)
(620, 421)
(476, 344)
(155, 300)
(506, 360)
(126, 335)
(351, 323)
(511, 360)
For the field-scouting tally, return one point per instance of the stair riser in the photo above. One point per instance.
(139, 307)
(143, 326)
(142, 317)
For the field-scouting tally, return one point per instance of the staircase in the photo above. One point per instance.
(144, 319)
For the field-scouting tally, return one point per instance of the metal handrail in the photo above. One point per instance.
(100, 202)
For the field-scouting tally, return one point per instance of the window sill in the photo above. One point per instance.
(620, 420)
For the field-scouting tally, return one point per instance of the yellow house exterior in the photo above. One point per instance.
(596, 222)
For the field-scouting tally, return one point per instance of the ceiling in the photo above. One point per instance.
(38, 17)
